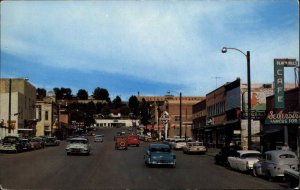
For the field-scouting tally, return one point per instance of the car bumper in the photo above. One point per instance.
(8, 148)
(77, 151)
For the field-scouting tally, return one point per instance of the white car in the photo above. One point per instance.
(78, 146)
(194, 147)
(244, 159)
(178, 143)
(98, 138)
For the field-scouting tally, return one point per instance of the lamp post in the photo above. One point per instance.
(224, 50)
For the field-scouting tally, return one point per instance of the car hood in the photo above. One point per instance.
(252, 160)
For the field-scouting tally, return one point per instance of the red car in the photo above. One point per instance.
(133, 140)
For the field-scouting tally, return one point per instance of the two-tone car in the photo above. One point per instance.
(12, 144)
(51, 141)
(159, 154)
(274, 163)
(194, 148)
(78, 145)
(243, 160)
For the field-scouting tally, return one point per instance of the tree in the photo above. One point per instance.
(82, 94)
(105, 110)
(40, 93)
(124, 110)
(63, 93)
(145, 115)
(101, 94)
(117, 102)
(134, 105)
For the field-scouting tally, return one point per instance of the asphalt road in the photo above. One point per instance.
(107, 168)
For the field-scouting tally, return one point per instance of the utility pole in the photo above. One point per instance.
(9, 108)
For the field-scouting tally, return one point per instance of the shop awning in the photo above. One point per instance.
(25, 129)
(266, 132)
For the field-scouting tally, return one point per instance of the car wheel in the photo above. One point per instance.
(270, 178)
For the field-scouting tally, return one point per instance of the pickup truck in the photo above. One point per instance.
(121, 142)
(292, 177)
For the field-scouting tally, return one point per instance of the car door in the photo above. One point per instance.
(233, 160)
(265, 164)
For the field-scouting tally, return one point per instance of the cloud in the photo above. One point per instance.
(169, 42)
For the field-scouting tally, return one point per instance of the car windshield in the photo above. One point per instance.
(9, 140)
(78, 141)
(283, 156)
(251, 155)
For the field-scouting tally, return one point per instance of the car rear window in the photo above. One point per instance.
(286, 156)
(160, 149)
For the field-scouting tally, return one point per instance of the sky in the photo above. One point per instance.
(149, 47)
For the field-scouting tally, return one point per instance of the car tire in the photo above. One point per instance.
(269, 176)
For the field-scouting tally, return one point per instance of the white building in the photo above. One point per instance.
(114, 121)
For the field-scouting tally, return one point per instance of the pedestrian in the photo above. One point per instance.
(285, 147)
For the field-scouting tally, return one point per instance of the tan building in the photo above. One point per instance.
(171, 104)
(46, 113)
(21, 107)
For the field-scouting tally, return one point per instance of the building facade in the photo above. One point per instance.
(17, 101)
(47, 115)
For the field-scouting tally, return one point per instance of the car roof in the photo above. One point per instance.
(159, 145)
(279, 152)
(78, 139)
(248, 151)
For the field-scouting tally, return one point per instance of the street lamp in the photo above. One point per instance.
(224, 50)
(180, 113)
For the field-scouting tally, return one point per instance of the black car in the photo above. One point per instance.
(12, 144)
(221, 157)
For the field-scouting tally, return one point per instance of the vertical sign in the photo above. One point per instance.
(279, 65)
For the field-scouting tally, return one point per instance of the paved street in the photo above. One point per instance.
(107, 168)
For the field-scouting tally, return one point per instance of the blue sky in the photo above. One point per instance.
(149, 47)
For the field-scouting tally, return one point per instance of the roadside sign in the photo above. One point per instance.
(165, 118)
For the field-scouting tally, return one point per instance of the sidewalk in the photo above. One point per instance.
(212, 151)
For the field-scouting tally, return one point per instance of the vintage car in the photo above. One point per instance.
(274, 162)
(194, 148)
(226, 151)
(243, 160)
(98, 138)
(121, 142)
(78, 146)
(133, 140)
(25, 144)
(35, 143)
(51, 141)
(12, 144)
(159, 154)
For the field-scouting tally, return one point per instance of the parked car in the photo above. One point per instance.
(222, 157)
(78, 145)
(243, 160)
(274, 162)
(98, 138)
(159, 154)
(51, 141)
(194, 148)
(121, 142)
(25, 144)
(35, 143)
(133, 140)
(178, 144)
(11, 144)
